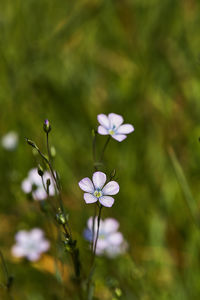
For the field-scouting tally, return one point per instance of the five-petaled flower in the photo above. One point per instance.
(33, 184)
(30, 244)
(112, 125)
(97, 190)
(110, 241)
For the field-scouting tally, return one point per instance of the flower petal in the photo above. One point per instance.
(106, 201)
(22, 236)
(115, 239)
(125, 129)
(34, 177)
(86, 185)
(87, 233)
(103, 120)
(36, 234)
(26, 186)
(115, 120)
(102, 130)
(110, 225)
(89, 198)
(39, 194)
(119, 137)
(99, 179)
(17, 251)
(33, 256)
(111, 188)
(43, 246)
(101, 244)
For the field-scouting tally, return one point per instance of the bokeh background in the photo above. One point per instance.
(69, 61)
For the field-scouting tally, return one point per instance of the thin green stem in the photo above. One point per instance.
(93, 225)
(94, 151)
(104, 148)
(98, 225)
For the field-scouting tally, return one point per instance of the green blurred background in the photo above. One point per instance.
(69, 61)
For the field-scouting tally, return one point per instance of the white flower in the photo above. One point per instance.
(96, 191)
(33, 184)
(110, 241)
(112, 125)
(30, 244)
(10, 140)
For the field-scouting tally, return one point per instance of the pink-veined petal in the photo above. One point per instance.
(115, 120)
(111, 188)
(125, 129)
(86, 185)
(103, 120)
(110, 225)
(99, 179)
(119, 137)
(102, 130)
(106, 201)
(89, 198)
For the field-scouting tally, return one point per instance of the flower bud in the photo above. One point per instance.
(32, 144)
(61, 218)
(47, 126)
(48, 183)
(40, 170)
(69, 244)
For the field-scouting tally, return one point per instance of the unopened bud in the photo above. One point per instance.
(32, 144)
(40, 170)
(69, 245)
(48, 182)
(47, 126)
(61, 217)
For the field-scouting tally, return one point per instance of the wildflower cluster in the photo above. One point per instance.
(43, 183)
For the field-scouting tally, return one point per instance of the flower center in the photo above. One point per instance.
(112, 130)
(98, 193)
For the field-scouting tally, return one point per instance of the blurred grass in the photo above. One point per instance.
(68, 61)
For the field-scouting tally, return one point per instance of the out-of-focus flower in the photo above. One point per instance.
(33, 184)
(97, 190)
(112, 125)
(110, 241)
(10, 141)
(30, 244)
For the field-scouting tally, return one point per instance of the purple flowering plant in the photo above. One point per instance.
(44, 184)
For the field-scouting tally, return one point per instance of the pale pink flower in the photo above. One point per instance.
(112, 125)
(30, 244)
(110, 241)
(96, 190)
(33, 184)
